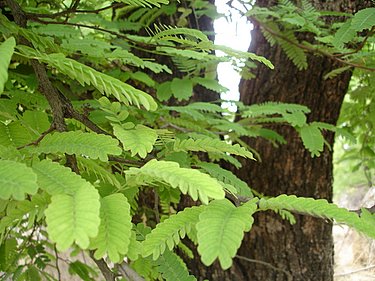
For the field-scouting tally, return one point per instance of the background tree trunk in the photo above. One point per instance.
(303, 251)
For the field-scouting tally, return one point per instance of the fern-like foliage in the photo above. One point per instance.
(294, 53)
(93, 168)
(6, 51)
(211, 145)
(169, 232)
(73, 218)
(220, 230)
(139, 140)
(89, 76)
(16, 180)
(57, 179)
(115, 228)
(190, 181)
(269, 108)
(321, 208)
(172, 268)
(80, 143)
(227, 177)
(312, 139)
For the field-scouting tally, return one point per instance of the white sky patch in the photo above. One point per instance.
(233, 31)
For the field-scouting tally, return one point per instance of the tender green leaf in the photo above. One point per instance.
(221, 229)
(211, 145)
(73, 218)
(344, 34)
(115, 228)
(363, 19)
(188, 181)
(86, 75)
(57, 179)
(210, 84)
(321, 208)
(182, 89)
(312, 139)
(80, 143)
(227, 177)
(16, 180)
(14, 134)
(169, 232)
(6, 52)
(172, 268)
(139, 140)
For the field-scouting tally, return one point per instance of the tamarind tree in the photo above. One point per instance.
(96, 152)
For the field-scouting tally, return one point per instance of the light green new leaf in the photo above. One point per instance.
(312, 139)
(57, 179)
(115, 228)
(86, 75)
(187, 180)
(16, 179)
(91, 145)
(169, 232)
(172, 268)
(323, 209)
(227, 177)
(220, 231)
(363, 19)
(73, 218)
(6, 52)
(139, 140)
(182, 89)
(344, 34)
(211, 145)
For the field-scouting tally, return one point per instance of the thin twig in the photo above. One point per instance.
(289, 276)
(38, 140)
(103, 267)
(355, 271)
(128, 273)
(57, 264)
(370, 33)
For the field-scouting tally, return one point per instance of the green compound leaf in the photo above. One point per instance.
(16, 180)
(57, 179)
(211, 145)
(139, 141)
(220, 230)
(182, 89)
(187, 180)
(321, 208)
(6, 52)
(312, 139)
(227, 177)
(169, 232)
(115, 228)
(172, 268)
(91, 145)
(363, 19)
(86, 75)
(73, 218)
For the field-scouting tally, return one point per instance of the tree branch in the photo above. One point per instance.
(103, 267)
(128, 273)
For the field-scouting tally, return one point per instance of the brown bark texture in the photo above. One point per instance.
(274, 249)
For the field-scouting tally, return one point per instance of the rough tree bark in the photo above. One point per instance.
(303, 251)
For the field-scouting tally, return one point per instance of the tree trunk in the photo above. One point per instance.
(276, 249)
